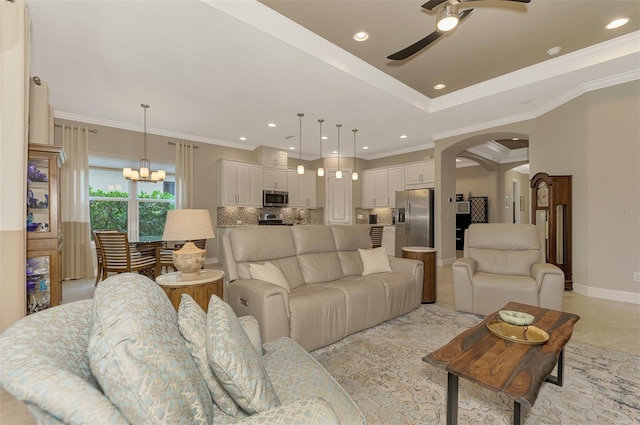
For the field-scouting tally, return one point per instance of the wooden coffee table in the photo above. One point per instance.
(512, 368)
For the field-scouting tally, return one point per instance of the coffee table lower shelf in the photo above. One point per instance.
(473, 354)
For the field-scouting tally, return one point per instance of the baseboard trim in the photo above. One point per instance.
(607, 294)
(445, 261)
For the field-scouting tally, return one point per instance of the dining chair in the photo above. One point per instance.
(99, 251)
(119, 257)
(164, 256)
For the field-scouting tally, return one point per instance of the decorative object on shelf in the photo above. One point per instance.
(34, 174)
(144, 174)
(300, 168)
(188, 225)
(338, 173)
(321, 169)
(354, 174)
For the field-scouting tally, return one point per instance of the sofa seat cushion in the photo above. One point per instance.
(235, 362)
(45, 363)
(318, 316)
(139, 357)
(296, 375)
(192, 324)
(491, 291)
(365, 300)
(401, 293)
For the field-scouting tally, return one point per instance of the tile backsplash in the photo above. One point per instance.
(229, 216)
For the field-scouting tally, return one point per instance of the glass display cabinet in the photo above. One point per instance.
(551, 213)
(44, 233)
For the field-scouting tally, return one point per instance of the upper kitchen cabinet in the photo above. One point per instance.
(418, 175)
(274, 178)
(302, 189)
(395, 183)
(274, 158)
(239, 184)
(379, 186)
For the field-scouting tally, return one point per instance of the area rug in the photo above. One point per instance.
(382, 370)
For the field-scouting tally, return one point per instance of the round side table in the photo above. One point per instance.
(200, 289)
(428, 257)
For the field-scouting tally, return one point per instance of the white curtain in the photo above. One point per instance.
(184, 176)
(76, 221)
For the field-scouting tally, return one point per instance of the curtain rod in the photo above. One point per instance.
(174, 143)
(90, 131)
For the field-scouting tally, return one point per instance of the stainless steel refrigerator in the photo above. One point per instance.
(414, 219)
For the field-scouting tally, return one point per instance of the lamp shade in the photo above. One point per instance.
(188, 225)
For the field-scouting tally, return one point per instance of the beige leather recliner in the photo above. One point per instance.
(504, 262)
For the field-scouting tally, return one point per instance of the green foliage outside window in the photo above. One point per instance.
(112, 214)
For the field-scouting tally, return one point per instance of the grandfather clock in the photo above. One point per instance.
(551, 213)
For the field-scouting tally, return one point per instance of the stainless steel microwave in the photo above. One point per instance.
(275, 198)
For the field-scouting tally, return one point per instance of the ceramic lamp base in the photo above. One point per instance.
(189, 260)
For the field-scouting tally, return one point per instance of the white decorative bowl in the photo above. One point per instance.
(516, 317)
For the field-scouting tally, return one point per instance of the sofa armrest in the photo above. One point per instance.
(301, 412)
(550, 280)
(267, 302)
(463, 271)
(406, 265)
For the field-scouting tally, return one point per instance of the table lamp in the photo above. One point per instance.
(188, 225)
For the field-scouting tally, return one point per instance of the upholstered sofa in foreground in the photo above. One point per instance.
(325, 290)
(127, 357)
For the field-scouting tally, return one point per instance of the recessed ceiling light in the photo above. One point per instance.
(334, 152)
(404, 136)
(243, 138)
(617, 23)
(291, 148)
(325, 138)
(361, 36)
(365, 147)
(515, 138)
(554, 51)
(272, 125)
(439, 86)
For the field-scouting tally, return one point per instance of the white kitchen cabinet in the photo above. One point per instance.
(389, 240)
(302, 189)
(374, 188)
(337, 200)
(274, 158)
(395, 183)
(419, 174)
(239, 184)
(274, 178)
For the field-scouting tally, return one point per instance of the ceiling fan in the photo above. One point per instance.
(448, 19)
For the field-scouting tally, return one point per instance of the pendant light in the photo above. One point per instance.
(338, 173)
(144, 174)
(300, 166)
(320, 169)
(354, 174)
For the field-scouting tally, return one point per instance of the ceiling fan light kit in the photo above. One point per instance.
(448, 18)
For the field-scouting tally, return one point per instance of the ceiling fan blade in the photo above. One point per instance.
(421, 44)
(432, 4)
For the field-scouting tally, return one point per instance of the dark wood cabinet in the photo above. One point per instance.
(551, 213)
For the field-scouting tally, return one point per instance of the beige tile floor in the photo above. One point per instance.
(611, 324)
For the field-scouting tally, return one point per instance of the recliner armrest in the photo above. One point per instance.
(467, 264)
(267, 302)
(405, 265)
(540, 270)
(309, 411)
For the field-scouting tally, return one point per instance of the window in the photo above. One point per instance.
(112, 205)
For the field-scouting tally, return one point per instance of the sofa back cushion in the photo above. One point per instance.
(45, 363)
(139, 357)
(317, 254)
(502, 248)
(348, 240)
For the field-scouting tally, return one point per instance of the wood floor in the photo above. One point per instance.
(604, 323)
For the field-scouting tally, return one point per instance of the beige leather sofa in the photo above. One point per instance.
(502, 263)
(328, 298)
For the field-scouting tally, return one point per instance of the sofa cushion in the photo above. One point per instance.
(291, 271)
(374, 261)
(350, 238)
(235, 362)
(351, 263)
(320, 267)
(45, 363)
(192, 323)
(269, 273)
(140, 359)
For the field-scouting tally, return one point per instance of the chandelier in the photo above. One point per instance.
(144, 174)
